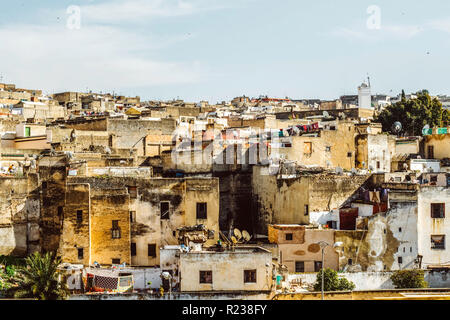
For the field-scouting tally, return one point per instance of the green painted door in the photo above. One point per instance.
(27, 131)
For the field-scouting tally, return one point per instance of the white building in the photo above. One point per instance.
(434, 226)
(364, 96)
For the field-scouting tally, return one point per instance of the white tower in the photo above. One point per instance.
(364, 96)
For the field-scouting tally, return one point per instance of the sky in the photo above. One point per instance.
(216, 50)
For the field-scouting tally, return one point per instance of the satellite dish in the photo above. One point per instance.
(397, 127)
(339, 170)
(237, 234)
(328, 163)
(234, 240)
(246, 235)
(326, 114)
(369, 130)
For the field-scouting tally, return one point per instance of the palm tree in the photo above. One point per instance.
(39, 279)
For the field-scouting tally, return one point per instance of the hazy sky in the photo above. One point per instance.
(218, 49)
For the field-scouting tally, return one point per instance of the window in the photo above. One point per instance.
(350, 262)
(60, 211)
(307, 147)
(430, 152)
(249, 276)
(115, 230)
(205, 276)
(132, 216)
(133, 192)
(80, 253)
(79, 216)
(201, 210)
(164, 209)
(438, 210)
(317, 266)
(115, 261)
(44, 185)
(306, 209)
(289, 236)
(399, 229)
(152, 250)
(400, 260)
(448, 181)
(332, 224)
(133, 249)
(299, 266)
(378, 164)
(438, 242)
(349, 154)
(327, 149)
(433, 178)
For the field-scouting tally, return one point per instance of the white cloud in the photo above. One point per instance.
(135, 10)
(102, 58)
(386, 32)
(440, 25)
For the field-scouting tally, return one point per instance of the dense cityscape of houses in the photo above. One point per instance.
(234, 199)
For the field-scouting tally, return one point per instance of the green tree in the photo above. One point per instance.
(409, 279)
(332, 282)
(414, 114)
(40, 279)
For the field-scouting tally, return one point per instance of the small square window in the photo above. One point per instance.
(289, 236)
(152, 250)
(327, 149)
(317, 266)
(438, 210)
(115, 261)
(249, 276)
(206, 277)
(79, 216)
(307, 147)
(132, 216)
(164, 210)
(350, 262)
(438, 242)
(202, 211)
(349, 154)
(299, 266)
(80, 253)
(115, 230)
(133, 192)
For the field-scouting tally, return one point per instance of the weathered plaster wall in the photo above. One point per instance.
(279, 201)
(76, 235)
(227, 270)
